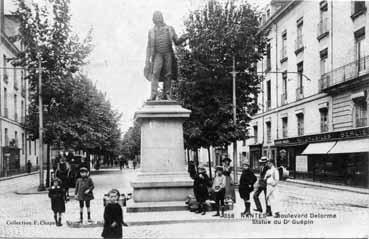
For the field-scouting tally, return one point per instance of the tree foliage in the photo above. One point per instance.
(131, 144)
(76, 114)
(218, 32)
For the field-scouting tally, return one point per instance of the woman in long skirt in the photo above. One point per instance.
(227, 172)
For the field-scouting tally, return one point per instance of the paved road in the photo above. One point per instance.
(351, 212)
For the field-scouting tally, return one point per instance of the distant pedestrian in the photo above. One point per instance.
(272, 197)
(219, 190)
(29, 166)
(121, 163)
(134, 162)
(84, 194)
(57, 196)
(246, 186)
(201, 185)
(261, 184)
(113, 217)
(227, 172)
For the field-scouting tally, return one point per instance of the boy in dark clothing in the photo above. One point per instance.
(57, 196)
(261, 184)
(83, 192)
(246, 186)
(113, 217)
(201, 184)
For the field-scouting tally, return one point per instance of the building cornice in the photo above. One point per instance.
(280, 13)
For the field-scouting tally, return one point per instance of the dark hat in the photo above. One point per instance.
(227, 159)
(201, 168)
(263, 159)
(83, 169)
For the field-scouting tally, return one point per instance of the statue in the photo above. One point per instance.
(161, 64)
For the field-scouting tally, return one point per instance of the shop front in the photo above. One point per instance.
(255, 155)
(337, 157)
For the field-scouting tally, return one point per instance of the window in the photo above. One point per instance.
(299, 46)
(23, 143)
(269, 94)
(300, 124)
(256, 134)
(35, 147)
(361, 112)
(5, 73)
(300, 81)
(360, 49)
(323, 22)
(16, 138)
(358, 8)
(15, 77)
(29, 147)
(284, 47)
(284, 127)
(6, 137)
(5, 102)
(323, 62)
(268, 59)
(22, 111)
(284, 88)
(269, 131)
(324, 120)
(15, 107)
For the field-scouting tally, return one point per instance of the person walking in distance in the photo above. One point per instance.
(83, 192)
(272, 179)
(134, 162)
(57, 197)
(246, 186)
(261, 184)
(219, 190)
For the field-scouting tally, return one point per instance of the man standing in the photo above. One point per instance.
(272, 179)
(160, 63)
(261, 184)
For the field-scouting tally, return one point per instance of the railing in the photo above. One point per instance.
(269, 138)
(300, 131)
(284, 99)
(6, 112)
(361, 122)
(322, 27)
(299, 93)
(345, 73)
(299, 44)
(283, 53)
(323, 127)
(268, 104)
(15, 116)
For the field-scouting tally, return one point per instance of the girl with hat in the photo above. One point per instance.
(227, 172)
(201, 184)
(57, 196)
(83, 192)
(219, 189)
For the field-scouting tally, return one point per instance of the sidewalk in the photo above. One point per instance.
(19, 175)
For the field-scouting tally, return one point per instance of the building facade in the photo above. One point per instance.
(314, 93)
(15, 147)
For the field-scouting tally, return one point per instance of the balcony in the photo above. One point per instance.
(346, 76)
(361, 122)
(284, 99)
(283, 57)
(269, 138)
(323, 127)
(299, 93)
(6, 112)
(322, 29)
(300, 131)
(299, 44)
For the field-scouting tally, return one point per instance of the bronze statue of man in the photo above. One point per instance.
(161, 64)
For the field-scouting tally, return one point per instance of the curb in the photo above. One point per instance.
(353, 190)
(19, 175)
(167, 222)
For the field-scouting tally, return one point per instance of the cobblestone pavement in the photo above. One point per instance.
(351, 212)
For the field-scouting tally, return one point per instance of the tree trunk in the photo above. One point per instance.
(197, 159)
(209, 161)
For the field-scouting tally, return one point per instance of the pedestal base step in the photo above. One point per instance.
(156, 206)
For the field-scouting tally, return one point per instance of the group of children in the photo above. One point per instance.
(113, 213)
(203, 188)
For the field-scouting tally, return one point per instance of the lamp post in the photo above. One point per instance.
(41, 187)
(235, 163)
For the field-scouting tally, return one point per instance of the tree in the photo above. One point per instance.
(131, 144)
(219, 32)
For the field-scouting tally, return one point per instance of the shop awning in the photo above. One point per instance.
(319, 148)
(351, 146)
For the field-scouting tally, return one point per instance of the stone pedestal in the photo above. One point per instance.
(163, 176)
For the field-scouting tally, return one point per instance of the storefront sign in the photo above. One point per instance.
(347, 134)
(302, 163)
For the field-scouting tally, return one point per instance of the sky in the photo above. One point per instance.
(120, 30)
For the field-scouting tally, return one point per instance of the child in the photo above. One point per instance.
(246, 186)
(201, 184)
(219, 189)
(83, 192)
(57, 196)
(113, 217)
